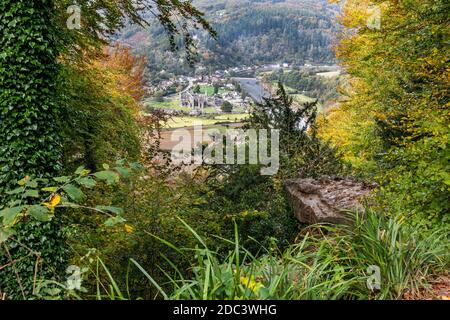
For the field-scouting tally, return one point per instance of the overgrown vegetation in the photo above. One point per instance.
(326, 263)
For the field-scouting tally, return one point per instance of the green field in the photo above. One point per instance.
(172, 103)
(181, 122)
(232, 117)
(209, 90)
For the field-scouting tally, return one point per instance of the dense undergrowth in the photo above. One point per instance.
(327, 262)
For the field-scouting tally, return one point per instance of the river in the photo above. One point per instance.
(253, 88)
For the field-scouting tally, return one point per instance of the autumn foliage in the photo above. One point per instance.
(395, 118)
(125, 71)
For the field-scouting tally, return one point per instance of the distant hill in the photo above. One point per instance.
(250, 32)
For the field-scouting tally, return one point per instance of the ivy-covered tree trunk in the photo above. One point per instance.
(29, 138)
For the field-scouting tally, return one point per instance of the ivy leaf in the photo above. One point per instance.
(111, 222)
(73, 192)
(110, 177)
(114, 210)
(40, 213)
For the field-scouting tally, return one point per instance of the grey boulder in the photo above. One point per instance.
(326, 200)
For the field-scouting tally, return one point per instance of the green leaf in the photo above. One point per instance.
(10, 214)
(5, 234)
(106, 166)
(124, 172)
(31, 194)
(82, 171)
(44, 181)
(32, 184)
(264, 293)
(110, 177)
(50, 189)
(87, 182)
(111, 222)
(62, 179)
(114, 210)
(15, 203)
(52, 291)
(16, 191)
(40, 213)
(136, 166)
(120, 162)
(74, 192)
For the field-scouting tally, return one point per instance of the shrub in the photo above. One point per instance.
(40, 204)
(151, 205)
(332, 264)
(226, 107)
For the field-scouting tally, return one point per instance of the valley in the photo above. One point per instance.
(201, 99)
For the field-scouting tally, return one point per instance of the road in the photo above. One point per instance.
(174, 95)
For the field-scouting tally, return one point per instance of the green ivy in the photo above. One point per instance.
(29, 139)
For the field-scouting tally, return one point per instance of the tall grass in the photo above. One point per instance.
(405, 256)
(332, 264)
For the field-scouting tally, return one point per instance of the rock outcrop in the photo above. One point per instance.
(326, 200)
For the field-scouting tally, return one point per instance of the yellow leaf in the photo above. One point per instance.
(251, 284)
(24, 181)
(128, 228)
(56, 199)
